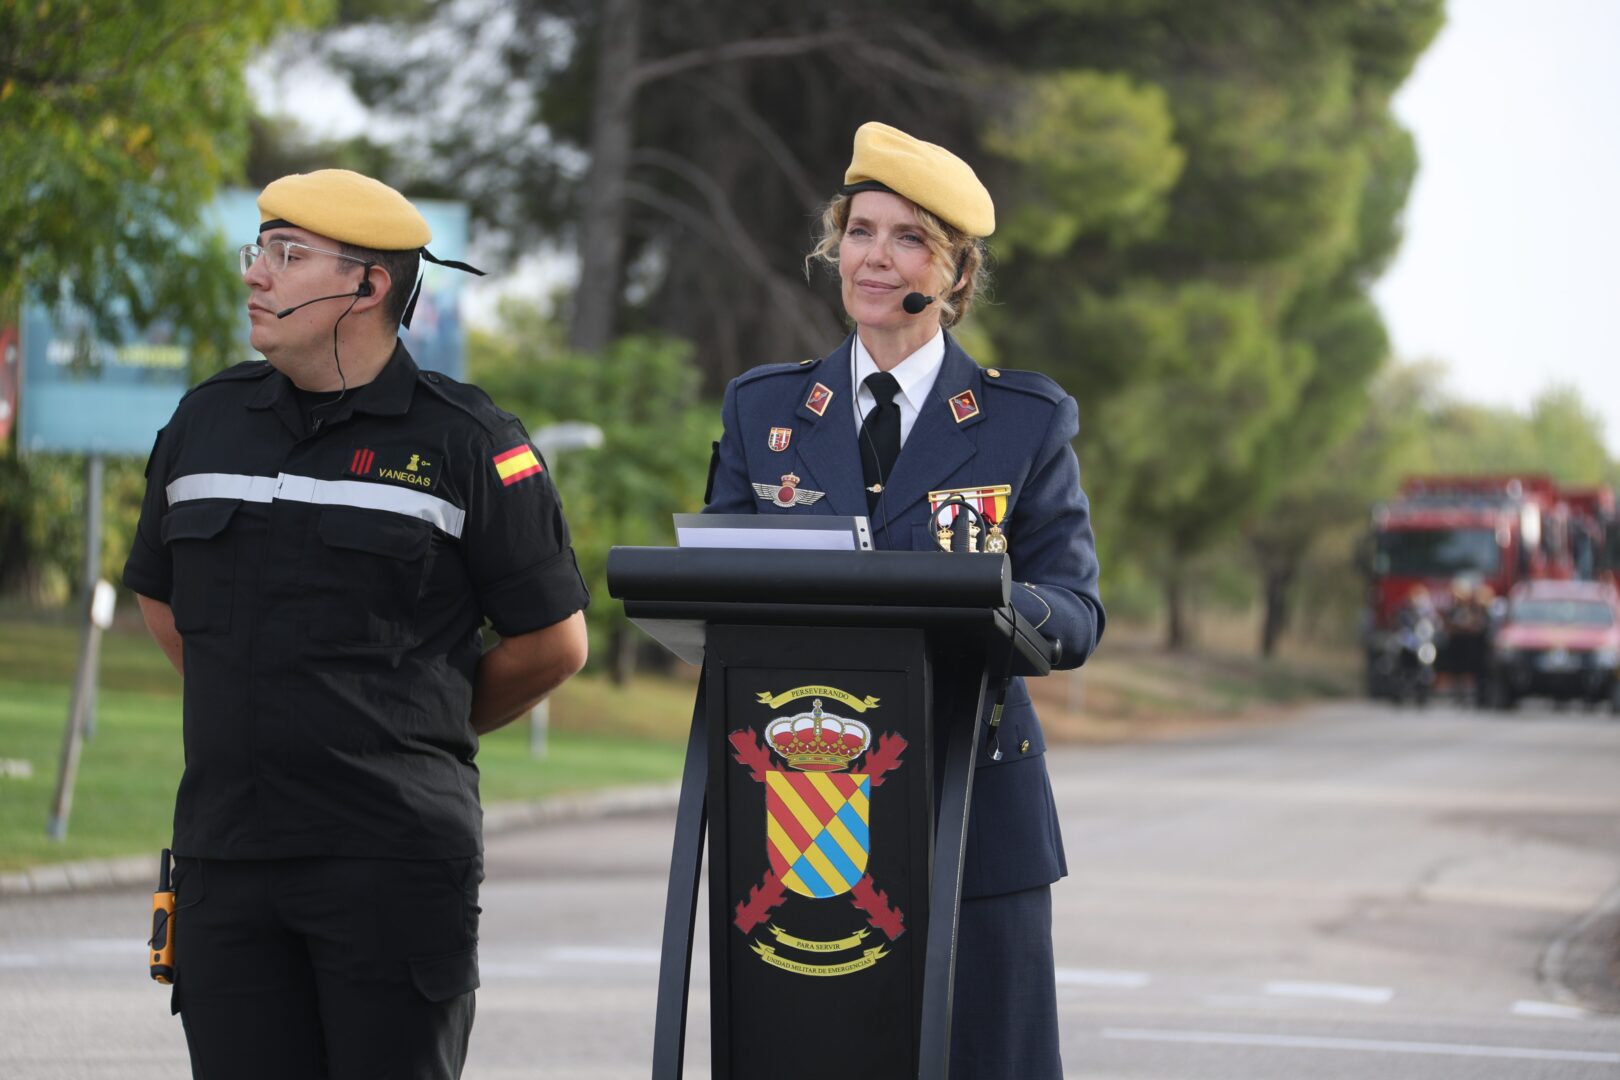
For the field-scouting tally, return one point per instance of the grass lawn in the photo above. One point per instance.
(601, 736)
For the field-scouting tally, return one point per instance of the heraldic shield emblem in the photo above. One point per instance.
(818, 829)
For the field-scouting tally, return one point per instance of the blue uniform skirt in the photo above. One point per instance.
(1004, 1019)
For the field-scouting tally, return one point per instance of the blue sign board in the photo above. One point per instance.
(83, 394)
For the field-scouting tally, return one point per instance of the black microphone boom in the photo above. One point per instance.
(915, 302)
(284, 312)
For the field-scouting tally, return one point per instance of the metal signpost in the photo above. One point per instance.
(552, 440)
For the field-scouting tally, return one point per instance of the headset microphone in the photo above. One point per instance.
(915, 302)
(363, 290)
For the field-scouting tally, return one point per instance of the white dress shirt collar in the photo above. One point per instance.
(915, 374)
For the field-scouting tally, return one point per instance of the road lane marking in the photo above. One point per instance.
(501, 970)
(1364, 995)
(1124, 980)
(1383, 1046)
(602, 954)
(1549, 1010)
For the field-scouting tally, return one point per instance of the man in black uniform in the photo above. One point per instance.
(321, 540)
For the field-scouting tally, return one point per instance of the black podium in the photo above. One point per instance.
(843, 704)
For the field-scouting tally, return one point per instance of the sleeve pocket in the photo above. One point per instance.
(441, 978)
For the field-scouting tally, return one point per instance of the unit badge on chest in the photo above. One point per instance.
(779, 438)
(787, 493)
(820, 395)
(964, 406)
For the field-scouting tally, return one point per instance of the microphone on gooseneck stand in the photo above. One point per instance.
(915, 302)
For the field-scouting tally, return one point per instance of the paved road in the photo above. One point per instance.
(1360, 894)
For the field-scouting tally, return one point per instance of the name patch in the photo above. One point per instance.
(395, 466)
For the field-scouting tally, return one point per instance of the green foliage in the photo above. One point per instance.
(117, 123)
(42, 517)
(1557, 435)
(643, 393)
(1097, 155)
(1193, 200)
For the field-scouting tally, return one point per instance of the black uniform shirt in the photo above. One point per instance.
(329, 580)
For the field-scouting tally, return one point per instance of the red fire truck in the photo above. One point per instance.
(1495, 530)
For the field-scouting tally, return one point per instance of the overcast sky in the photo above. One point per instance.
(1512, 254)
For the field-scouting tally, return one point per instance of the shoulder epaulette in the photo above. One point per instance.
(467, 398)
(246, 370)
(776, 369)
(1027, 382)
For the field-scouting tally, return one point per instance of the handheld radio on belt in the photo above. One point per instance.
(162, 940)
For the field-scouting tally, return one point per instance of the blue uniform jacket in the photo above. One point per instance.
(1020, 435)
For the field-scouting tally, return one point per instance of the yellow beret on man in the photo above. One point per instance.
(887, 159)
(353, 209)
(347, 207)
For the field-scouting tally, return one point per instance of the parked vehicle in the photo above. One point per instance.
(1560, 639)
(1494, 531)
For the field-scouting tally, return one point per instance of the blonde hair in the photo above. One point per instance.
(948, 249)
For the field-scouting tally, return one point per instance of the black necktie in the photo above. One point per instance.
(880, 435)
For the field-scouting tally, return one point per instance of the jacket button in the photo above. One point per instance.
(1023, 747)
(993, 373)
(433, 376)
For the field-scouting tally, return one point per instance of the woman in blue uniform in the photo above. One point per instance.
(891, 424)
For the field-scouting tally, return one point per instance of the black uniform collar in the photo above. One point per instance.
(389, 394)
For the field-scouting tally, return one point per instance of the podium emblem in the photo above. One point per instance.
(818, 827)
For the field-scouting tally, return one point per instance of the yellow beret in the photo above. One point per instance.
(931, 176)
(347, 207)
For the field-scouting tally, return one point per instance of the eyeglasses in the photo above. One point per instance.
(279, 253)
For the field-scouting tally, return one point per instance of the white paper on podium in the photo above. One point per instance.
(819, 533)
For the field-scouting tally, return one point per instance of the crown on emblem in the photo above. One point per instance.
(816, 742)
(790, 480)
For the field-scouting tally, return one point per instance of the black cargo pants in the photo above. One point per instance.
(326, 968)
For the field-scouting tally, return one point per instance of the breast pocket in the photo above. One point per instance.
(366, 572)
(204, 558)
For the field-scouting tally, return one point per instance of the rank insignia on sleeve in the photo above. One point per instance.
(787, 493)
(820, 395)
(515, 464)
(964, 406)
(780, 437)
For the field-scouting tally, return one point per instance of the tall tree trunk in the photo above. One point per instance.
(602, 217)
(1278, 583)
(622, 653)
(1175, 607)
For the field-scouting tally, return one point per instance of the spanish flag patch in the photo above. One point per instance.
(514, 464)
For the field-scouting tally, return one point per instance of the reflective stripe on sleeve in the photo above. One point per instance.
(442, 515)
